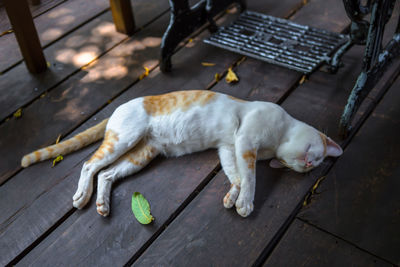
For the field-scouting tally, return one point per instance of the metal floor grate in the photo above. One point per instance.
(278, 41)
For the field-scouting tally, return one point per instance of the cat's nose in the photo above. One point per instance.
(308, 164)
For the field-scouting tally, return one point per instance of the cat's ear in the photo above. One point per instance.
(332, 149)
(274, 163)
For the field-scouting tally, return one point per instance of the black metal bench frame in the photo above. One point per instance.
(185, 20)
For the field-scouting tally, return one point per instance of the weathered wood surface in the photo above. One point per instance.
(39, 220)
(85, 92)
(51, 26)
(69, 54)
(68, 107)
(197, 52)
(318, 102)
(304, 245)
(60, 239)
(153, 84)
(358, 200)
(36, 11)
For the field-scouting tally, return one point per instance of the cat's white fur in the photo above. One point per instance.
(242, 132)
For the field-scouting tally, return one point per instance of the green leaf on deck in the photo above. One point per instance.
(141, 208)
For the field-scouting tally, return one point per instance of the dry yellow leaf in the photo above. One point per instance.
(58, 139)
(317, 183)
(5, 32)
(231, 77)
(145, 73)
(241, 60)
(217, 77)
(207, 64)
(190, 40)
(303, 79)
(309, 196)
(57, 160)
(18, 113)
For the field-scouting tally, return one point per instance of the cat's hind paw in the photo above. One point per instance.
(231, 196)
(244, 208)
(103, 208)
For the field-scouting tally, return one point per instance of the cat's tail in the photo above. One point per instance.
(80, 140)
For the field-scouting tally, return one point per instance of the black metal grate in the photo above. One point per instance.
(278, 41)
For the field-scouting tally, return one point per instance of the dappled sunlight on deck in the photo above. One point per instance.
(93, 69)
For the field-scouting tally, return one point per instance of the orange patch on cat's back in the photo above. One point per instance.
(166, 104)
(250, 157)
(107, 147)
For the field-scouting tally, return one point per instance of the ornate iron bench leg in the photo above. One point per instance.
(184, 21)
(376, 60)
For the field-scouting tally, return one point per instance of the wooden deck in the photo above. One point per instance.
(346, 212)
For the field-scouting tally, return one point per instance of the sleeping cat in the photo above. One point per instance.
(183, 122)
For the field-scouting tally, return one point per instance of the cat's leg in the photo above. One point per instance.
(228, 161)
(114, 145)
(246, 156)
(132, 162)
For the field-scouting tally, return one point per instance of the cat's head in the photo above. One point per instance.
(305, 149)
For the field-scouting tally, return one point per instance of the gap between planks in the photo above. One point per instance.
(344, 240)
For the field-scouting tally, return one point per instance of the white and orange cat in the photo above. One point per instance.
(183, 122)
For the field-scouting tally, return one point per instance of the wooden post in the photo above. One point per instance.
(35, 2)
(123, 16)
(22, 23)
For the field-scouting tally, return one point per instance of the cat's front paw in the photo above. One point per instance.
(231, 196)
(244, 208)
(81, 198)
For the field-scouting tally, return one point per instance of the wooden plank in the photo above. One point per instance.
(277, 195)
(35, 2)
(123, 16)
(90, 41)
(72, 53)
(304, 245)
(63, 109)
(155, 83)
(121, 235)
(16, 218)
(25, 32)
(191, 237)
(36, 11)
(358, 200)
(52, 26)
